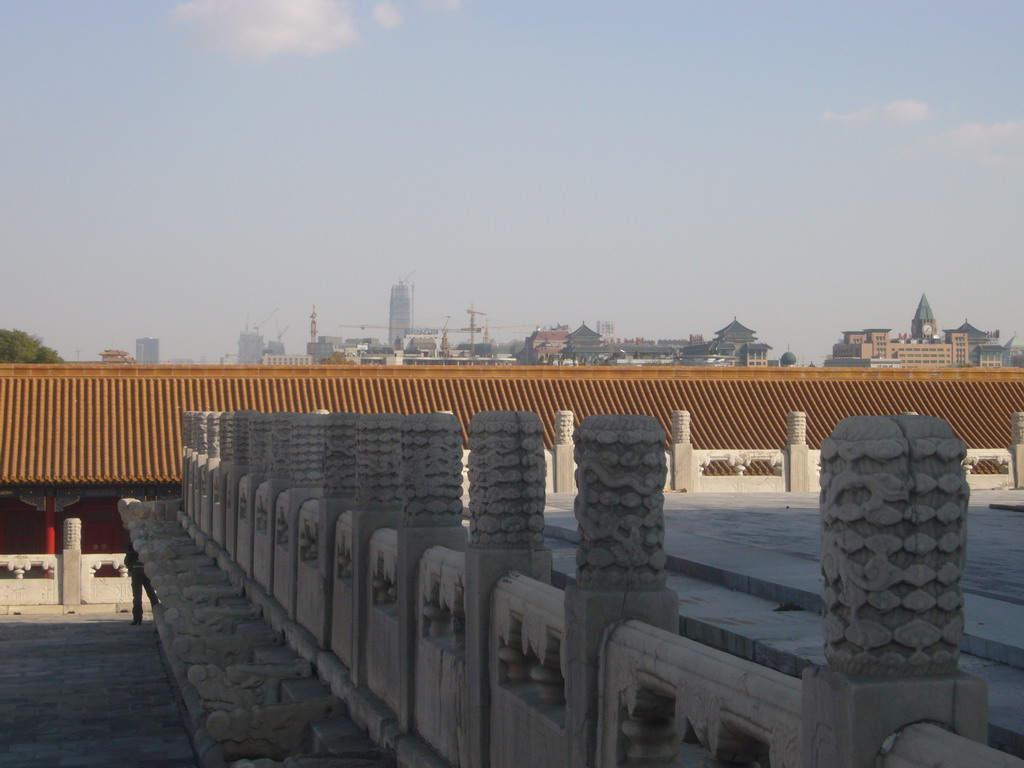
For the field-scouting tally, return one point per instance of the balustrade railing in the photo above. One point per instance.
(597, 675)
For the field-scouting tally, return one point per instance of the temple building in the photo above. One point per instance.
(733, 345)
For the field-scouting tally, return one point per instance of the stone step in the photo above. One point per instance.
(273, 654)
(302, 689)
(340, 737)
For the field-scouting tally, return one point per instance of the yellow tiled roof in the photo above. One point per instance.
(71, 424)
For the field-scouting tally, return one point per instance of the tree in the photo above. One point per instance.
(19, 347)
(337, 358)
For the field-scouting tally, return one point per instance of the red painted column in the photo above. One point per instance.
(50, 526)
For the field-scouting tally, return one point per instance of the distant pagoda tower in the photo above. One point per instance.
(923, 326)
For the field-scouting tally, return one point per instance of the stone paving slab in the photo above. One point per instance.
(789, 523)
(86, 690)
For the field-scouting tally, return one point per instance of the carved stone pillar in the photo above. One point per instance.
(798, 471)
(379, 494)
(210, 472)
(620, 571)
(248, 486)
(1017, 449)
(226, 442)
(562, 466)
(305, 481)
(277, 481)
(234, 443)
(506, 533)
(187, 448)
(317, 528)
(683, 467)
(196, 464)
(71, 563)
(894, 511)
(431, 517)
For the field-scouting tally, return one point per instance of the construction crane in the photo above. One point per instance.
(446, 350)
(312, 326)
(473, 329)
(264, 320)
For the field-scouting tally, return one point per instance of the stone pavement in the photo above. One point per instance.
(87, 690)
(789, 524)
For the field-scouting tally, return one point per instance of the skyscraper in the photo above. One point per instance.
(400, 314)
(250, 347)
(147, 351)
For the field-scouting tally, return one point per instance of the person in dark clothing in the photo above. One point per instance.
(140, 581)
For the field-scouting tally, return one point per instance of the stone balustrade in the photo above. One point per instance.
(443, 636)
(658, 686)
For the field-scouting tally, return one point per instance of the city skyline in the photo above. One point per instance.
(175, 167)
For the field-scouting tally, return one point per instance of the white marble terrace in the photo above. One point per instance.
(447, 642)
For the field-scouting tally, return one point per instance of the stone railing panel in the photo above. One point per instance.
(657, 687)
(441, 706)
(382, 635)
(926, 745)
(527, 672)
(22, 585)
(105, 589)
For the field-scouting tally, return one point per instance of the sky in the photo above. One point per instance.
(182, 170)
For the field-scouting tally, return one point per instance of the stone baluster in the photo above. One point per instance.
(562, 465)
(305, 484)
(506, 533)
(894, 511)
(197, 464)
(620, 571)
(1017, 449)
(226, 437)
(268, 511)
(71, 562)
(248, 488)
(800, 477)
(318, 523)
(187, 449)
(210, 472)
(379, 494)
(685, 472)
(431, 516)
(236, 470)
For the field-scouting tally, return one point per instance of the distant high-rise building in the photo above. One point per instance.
(400, 314)
(606, 328)
(274, 348)
(250, 347)
(147, 351)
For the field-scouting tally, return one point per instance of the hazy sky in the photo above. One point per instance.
(171, 169)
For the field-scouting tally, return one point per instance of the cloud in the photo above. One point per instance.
(907, 111)
(443, 5)
(261, 29)
(860, 116)
(386, 14)
(899, 111)
(997, 145)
